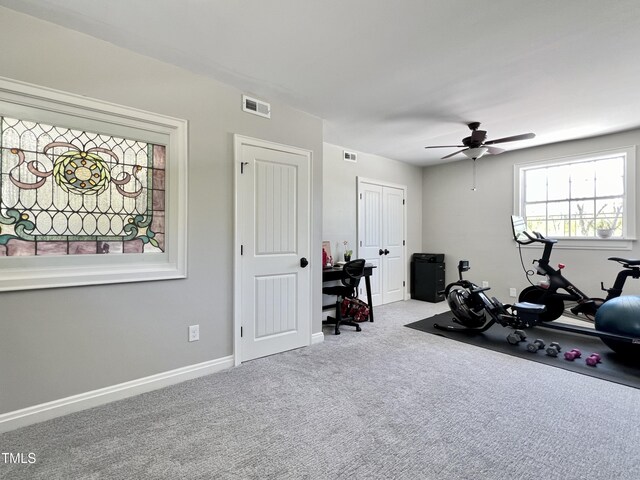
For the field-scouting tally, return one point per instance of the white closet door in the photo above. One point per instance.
(392, 238)
(381, 217)
(370, 234)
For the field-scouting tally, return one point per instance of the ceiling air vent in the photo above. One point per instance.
(255, 106)
(350, 156)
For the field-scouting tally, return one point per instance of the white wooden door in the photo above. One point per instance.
(381, 238)
(273, 229)
(393, 264)
(370, 234)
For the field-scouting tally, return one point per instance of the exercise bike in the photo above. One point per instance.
(549, 294)
(475, 312)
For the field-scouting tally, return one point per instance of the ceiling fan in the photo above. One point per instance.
(476, 145)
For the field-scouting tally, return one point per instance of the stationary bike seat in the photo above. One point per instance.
(625, 261)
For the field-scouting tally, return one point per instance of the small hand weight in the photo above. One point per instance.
(553, 349)
(516, 337)
(572, 354)
(536, 345)
(593, 359)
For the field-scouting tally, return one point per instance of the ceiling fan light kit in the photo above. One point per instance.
(475, 153)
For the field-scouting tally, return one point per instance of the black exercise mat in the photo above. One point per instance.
(613, 368)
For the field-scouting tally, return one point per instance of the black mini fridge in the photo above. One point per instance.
(427, 276)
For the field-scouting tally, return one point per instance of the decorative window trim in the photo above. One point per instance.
(625, 243)
(40, 104)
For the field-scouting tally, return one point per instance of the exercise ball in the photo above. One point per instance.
(621, 316)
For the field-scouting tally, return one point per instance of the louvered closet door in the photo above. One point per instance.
(274, 192)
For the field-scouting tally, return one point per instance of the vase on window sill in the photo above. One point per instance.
(604, 232)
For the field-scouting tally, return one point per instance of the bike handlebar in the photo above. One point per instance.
(538, 238)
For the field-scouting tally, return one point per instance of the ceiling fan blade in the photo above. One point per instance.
(445, 146)
(496, 150)
(454, 153)
(524, 136)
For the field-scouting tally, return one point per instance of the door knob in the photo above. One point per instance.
(386, 252)
(304, 262)
(380, 252)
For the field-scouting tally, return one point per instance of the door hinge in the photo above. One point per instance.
(404, 283)
(241, 332)
(242, 164)
(241, 249)
(360, 196)
(403, 201)
(403, 244)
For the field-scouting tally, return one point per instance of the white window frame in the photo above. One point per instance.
(629, 205)
(30, 102)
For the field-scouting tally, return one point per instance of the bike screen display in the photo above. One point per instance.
(519, 227)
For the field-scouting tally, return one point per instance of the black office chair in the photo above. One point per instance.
(352, 273)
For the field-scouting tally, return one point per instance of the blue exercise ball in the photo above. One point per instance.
(621, 316)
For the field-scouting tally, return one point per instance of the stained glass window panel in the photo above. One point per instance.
(67, 192)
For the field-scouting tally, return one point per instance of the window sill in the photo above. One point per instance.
(590, 243)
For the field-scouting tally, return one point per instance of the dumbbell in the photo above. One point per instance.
(572, 354)
(593, 359)
(553, 349)
(536, 345)
(516, 337)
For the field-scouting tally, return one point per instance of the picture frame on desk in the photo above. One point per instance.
(327, 258)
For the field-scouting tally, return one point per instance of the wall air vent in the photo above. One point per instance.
(255, 106)
(350, 156)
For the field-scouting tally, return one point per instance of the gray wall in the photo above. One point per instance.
(60, 342)
(476, 225)
(339, 219)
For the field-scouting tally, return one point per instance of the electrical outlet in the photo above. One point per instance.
(194, 333)
(513, 293)
(485, 284)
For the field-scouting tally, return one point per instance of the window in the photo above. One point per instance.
(90, 192)
(71, 192)
(587, 198)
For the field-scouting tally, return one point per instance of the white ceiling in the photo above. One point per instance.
(389, 77)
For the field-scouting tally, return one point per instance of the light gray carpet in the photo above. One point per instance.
(386, 403)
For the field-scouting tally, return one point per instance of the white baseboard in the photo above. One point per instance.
(317, 338)
(64, 406)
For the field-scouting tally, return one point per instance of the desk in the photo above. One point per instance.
(335, 273)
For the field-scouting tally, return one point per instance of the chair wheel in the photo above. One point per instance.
(337, 332)
(358, 329)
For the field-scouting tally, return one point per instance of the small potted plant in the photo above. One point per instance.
(347, 251)
(604, 229)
